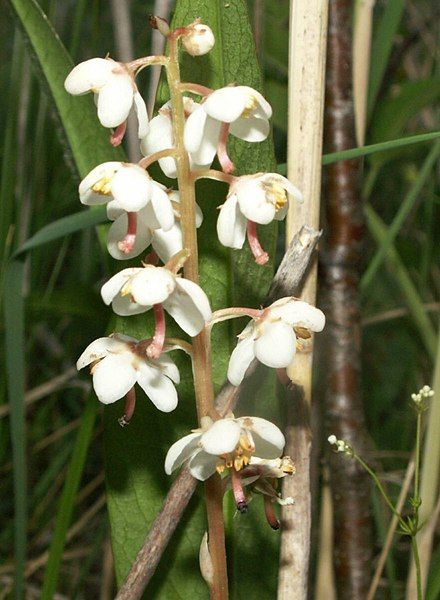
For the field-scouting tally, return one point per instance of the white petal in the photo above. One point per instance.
(231, 224)
(115, 100)
(253, 204)
(113, 286)
(98, 349)
(252, 129)
(221, 437)
(241, 357)
(194, 129)
(180, 451)
(113, 377)
(158, 387)
(168, 367)
(202, 465)
(276, 346)
(167, 243)
(204, 155)
(125, 307)
(199, 216)
(117, 233)
(93, 73)
(131, 188)
(269, 440)
(298, 313)
(227, 104)
(263, 108)
(162, 206)
(105, 171)
(189, 306)
(152, 285)
(160, 137)
(142, 115)
(114, 210)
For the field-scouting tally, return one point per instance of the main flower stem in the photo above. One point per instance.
(204, 391)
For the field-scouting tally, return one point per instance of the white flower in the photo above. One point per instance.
(160, 137)
(272, 337)
(135, 290)
(260, 198)
(244, 108)
(114, 85)
(118, 363)
(131, 187)
(226, 443)
(148, 231)
(199, 40)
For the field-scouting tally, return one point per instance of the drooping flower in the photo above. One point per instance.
(119, 361)
(148, 231)
(272, 337)
(160, 137)
(131, 187)
(117, 93)
(198, 40)
(242, 108)
(135, 290)
(228, 443)
(251, 199)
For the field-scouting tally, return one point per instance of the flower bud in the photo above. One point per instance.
(160, 24)
(199, 40)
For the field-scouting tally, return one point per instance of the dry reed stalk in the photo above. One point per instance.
(307, 52)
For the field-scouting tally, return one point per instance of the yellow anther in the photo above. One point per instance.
(303, 333)
(126, 289)
(245, 443)
(251, 105)
(275, 194)
(102, 186)
(287, 465)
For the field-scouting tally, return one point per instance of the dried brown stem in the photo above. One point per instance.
(341, 258)
(285, 283)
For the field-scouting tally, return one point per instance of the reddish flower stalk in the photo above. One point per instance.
(270, 514)
(118, 135)
(154, 350)
(261, 257)
(237, 490)
(127, 244)
(130, 405)
(222, 150)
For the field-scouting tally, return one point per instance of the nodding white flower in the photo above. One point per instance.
(135, 290)
(131, 187)
(148, 231)
(272, 336)
(160, 137)
(198, 40)
(260, 198)
(119, 361)
(242, 107)
(117, 93)
(228, 443)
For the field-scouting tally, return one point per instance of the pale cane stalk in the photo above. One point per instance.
(204, 391)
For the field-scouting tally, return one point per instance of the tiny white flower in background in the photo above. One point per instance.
(116, 91)
(423, 394)
(165, 243)
(135, 290)
(339, 445)
(199, 40)
(131, 187)
(116, 367)
(243, 107)
(160, 137)
(261, 198)
(272, 337)
(225, 444)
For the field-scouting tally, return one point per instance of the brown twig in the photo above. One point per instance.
(285, 283)
(341, 258)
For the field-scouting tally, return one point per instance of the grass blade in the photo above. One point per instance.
(65, 508)
(402, 213)
(409, 291)
(15, 370)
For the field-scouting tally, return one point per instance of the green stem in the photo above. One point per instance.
(415, 552)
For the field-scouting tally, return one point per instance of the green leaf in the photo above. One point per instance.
(88, 141)
(15, 369)
(65, 508)
(134, 456)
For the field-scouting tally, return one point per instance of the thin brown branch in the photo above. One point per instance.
(341, 258)
(285, 283)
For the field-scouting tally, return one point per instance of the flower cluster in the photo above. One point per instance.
(245, 451)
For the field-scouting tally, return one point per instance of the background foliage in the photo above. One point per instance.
(54, 467)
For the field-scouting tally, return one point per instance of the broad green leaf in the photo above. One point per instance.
(88, 141)
(134, 456)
